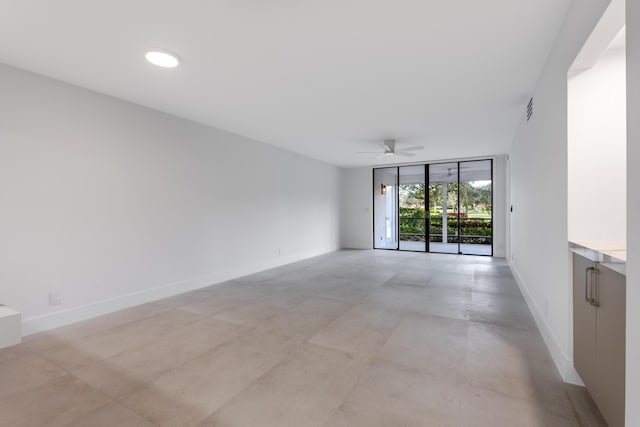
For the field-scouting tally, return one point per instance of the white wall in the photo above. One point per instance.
(597, 147)
(538, 191)
(499, 207)
(113, 204)
(633, 213)
(357, 209)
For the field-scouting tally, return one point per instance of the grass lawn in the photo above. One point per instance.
(480, 215)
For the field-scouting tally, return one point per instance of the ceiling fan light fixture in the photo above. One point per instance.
(389, 147)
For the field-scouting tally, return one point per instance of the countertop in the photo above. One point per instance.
(612, 255)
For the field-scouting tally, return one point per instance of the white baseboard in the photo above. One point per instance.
(563, 363)
(75, 314)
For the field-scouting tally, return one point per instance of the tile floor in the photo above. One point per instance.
(352, 338)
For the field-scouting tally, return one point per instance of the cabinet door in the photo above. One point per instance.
(610, 346)
(584, 324)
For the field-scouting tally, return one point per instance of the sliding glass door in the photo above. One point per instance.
(476, 207)
(440, 207)
(443, 208)
(411, 213)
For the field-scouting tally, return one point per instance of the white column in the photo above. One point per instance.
(633, 212)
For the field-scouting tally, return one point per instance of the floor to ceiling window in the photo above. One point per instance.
(443, 208)
(411, 211)
(475, 204)
(438, 207)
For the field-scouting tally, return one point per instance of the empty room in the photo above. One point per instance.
(340, 213)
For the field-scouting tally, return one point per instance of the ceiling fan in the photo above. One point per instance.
(389, 146)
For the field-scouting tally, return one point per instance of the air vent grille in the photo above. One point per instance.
(530, 109)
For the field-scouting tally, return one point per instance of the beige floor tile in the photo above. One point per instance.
(584, 407)
(395, 296)
(303, 390)
(59, 402)
(496, 285)
(507, 374)
(75, 331)
(520, 376)
(112, 415)
(485, 408)
(452, 280)
(352, 289)
(430, 344)
(497, 341)
(132, 369)
(363, 330)
(395, 339)
(436, 301)
(187, 394)
(104, 344)
(26, 373)
(502, 310)
(393, 395)
(13, 352)
(254, 314)
(307, 318)
(247, 292)
(349, 415)
(214, 304)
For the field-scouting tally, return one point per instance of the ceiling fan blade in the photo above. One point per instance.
(403, 154)
(416, 148)
(383, 156)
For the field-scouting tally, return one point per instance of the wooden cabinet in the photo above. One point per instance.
(610, 346)
(599, 310)
(584, 321)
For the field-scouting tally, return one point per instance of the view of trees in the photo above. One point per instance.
(475, 212)
(473, 198)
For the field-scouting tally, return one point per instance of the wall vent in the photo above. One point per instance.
(530, 109)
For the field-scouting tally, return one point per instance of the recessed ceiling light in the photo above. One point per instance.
(162, 58)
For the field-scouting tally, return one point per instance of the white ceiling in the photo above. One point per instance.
(322, 78)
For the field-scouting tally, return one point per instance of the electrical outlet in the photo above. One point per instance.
(55, 298)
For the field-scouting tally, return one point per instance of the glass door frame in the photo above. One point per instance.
(492, 205)
(427, 203)
(426, 209)
(457, 163)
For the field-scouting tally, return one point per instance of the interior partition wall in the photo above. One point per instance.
(437, 207)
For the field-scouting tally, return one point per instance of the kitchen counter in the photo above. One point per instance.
(612, 255)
